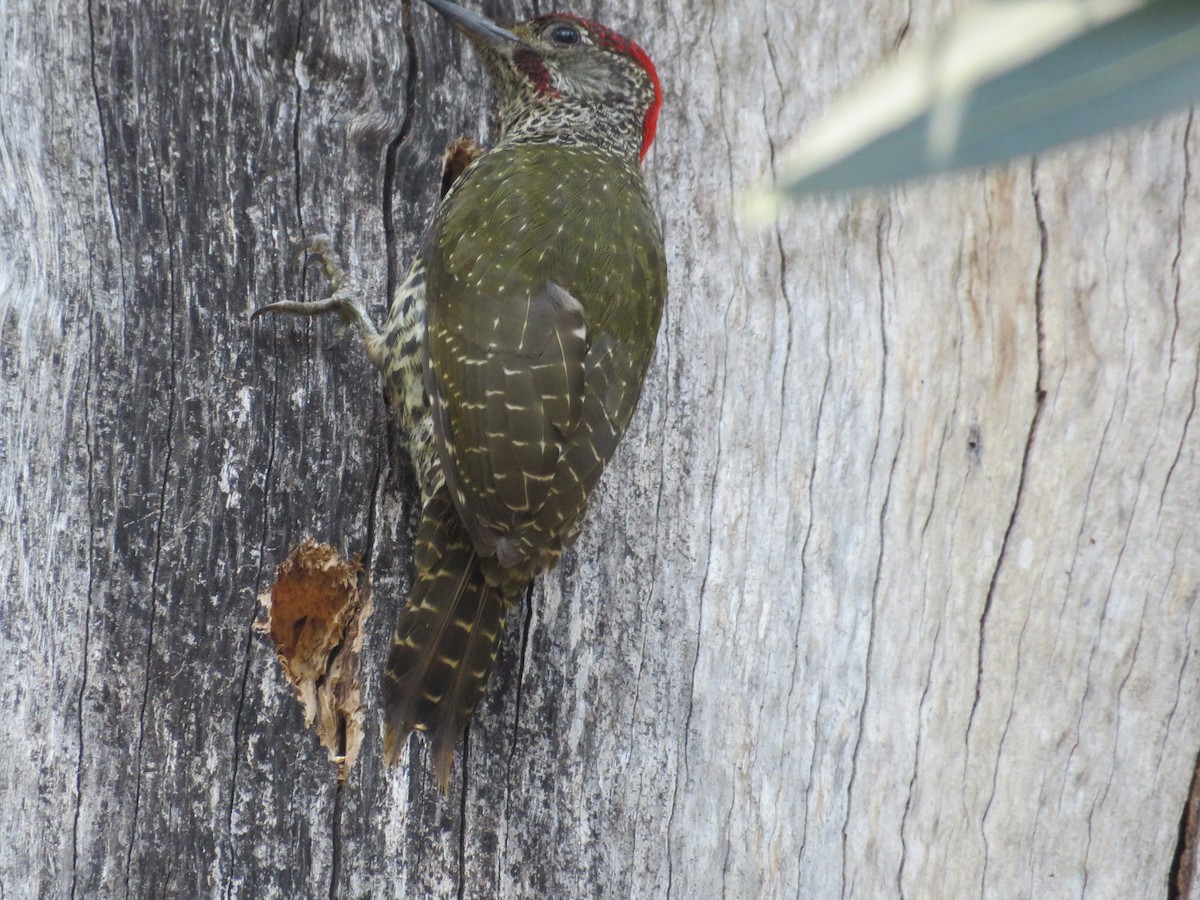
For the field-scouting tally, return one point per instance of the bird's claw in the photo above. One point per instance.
(320, 246)
(342, 300)
(338, 303)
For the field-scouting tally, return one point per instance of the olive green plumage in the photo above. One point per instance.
(541, 287)
(516, 348)
(545, 279)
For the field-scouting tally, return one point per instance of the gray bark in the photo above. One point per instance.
(889, 591)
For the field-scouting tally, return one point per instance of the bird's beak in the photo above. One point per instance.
(472, 24)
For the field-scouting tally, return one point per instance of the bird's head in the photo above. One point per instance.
(564, 78)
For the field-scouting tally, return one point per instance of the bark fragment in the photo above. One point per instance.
(314, 614)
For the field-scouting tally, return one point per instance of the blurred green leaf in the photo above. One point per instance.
(1004, 78)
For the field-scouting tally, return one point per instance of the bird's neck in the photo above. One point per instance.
(610, 125)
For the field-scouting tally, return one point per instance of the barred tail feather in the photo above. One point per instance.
(445, 642)
(468, 682)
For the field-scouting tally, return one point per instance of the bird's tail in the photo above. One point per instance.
(446, 640)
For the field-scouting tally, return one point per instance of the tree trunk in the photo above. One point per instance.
(889, 590)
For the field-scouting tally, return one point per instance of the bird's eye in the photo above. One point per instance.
(563, 34)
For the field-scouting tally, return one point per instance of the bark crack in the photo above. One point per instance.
(1133, 657)
(1026, 456)
(393, 151)
(172, 289)
(335, 873)
(783, 262)
(1012, 708)
(1109, 591)
(296, 155)
(1092, 655)
(662, 476)
(691, 703)
(1087, 851)
(512, 750)
(634, 707)
(813, 468)
(112, 206)
(91, 585)
(712, 501)
(248, 645)
(462, 817)
(1168, 726)
(637, 677)
(870, 655)
(372, 514)
(87, 419)
(812, 778)
(912, 781)
(1180, 228)
(728, 830)
(937, 469)
(812, 477)
(1039, 405)
(1079, 542)
(1187, 426)
(785, 294)
(880, 240)
(1180, 223)
(271, 409)
(335, 836)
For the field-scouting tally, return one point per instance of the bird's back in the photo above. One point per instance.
(545, 285)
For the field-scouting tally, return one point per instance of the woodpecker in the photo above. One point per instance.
(515, 348)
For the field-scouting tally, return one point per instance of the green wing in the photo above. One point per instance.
(546, 285)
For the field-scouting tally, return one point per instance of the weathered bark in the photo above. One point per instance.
(888, 592)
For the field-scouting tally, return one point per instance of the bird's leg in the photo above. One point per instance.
(343, 301)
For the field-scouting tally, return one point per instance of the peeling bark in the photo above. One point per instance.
(314, 614)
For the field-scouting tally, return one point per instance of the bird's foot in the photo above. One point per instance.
(343, 300)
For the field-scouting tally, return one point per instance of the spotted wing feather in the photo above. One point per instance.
(532, 401)
(545, 291)
(507, 406)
